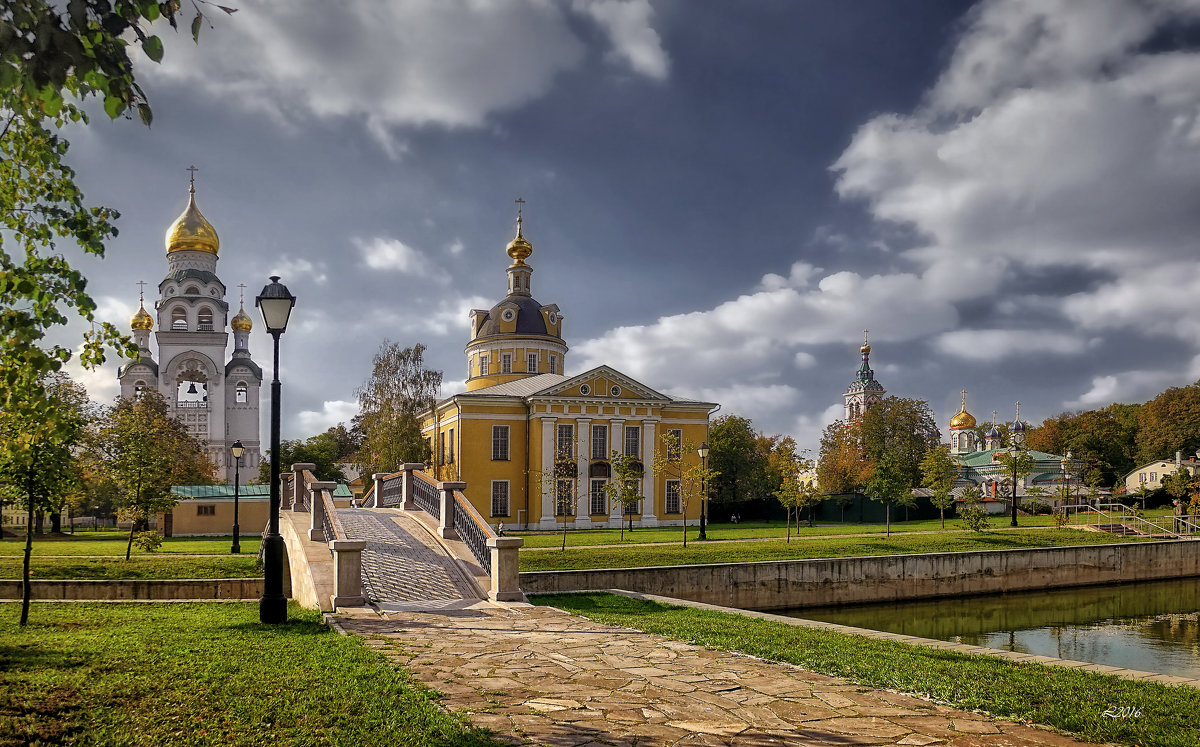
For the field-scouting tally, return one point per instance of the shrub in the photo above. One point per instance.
(147, 541)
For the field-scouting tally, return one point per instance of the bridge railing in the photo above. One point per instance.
(425, 495)
(1114, 514)
(315, 497)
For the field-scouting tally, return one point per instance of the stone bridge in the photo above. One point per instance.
(410, 543)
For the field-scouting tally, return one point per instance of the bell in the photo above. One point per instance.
(192, 388)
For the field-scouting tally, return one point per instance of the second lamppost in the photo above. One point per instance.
(237, 449)
(703, 452)
(276, 304)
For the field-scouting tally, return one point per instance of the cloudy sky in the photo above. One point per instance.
(721, 196)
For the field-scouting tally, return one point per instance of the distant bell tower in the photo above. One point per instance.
(214, 396)
(962, 430)
(864, 391)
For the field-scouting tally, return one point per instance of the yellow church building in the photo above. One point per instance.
(522, 422)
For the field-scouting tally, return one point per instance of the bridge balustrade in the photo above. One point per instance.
(425, 495)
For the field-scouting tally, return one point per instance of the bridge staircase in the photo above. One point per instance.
(1125, 521)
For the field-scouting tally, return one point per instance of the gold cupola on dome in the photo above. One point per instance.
(519, 248)
(142, 319)
(963, 419)
(241, 322)
(192, 231)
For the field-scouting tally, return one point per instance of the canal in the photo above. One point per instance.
(1151, 626)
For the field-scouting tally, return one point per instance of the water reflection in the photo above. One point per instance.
(1152, 626)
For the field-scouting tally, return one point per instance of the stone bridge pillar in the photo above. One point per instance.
(446, 525)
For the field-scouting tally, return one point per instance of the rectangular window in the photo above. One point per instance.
(598, 498)
(632, 508)
(499, 497)
(674, 444)
(1153, 476)
(500, 443)
(564, 497)
(599, 442)
(506, 363)
(451, 447)
(672, 503)
(442, 446)
(633, 440)
(566, 441)
(483, 365)
(553, 364)
(206, 510)
(531, 362)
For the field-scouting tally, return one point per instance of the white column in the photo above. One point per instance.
(583, 453)
(546, 521)
(649, 446)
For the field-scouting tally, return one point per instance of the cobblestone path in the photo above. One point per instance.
(536, 675)
(401, 562)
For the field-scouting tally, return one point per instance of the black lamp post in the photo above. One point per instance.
(275, 303)
(237, 450)
(703, 452)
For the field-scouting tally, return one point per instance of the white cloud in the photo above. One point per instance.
(804, 360)
(290, 269)
(392, 254)
(997, 344)
(634, 40)
(404, 63)
(455, 247)
(333, 412)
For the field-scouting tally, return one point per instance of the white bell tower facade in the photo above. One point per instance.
(214, 395)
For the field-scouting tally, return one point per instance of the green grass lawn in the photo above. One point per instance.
(142, 566)
(757, 530)
(205, 674)
(1065, 699)
(113, 543)
(740, 552)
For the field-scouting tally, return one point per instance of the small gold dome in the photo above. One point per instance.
(241, 322)
(142, 319)
(865, 349)
(963, 419)
(191, 231)
(519, 248)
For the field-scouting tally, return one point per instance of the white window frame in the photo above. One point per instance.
(673, 499)
(531, 362)
(500, 498)
(597, 498)
(565, 441)
(602, 452)
(484, 366)
(506, 363)
(676, 453)
(553, 364)
(500, 443)
(633, 433)
(564, 497)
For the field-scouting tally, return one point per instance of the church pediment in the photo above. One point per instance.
(603, 382)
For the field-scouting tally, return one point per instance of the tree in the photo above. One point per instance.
(676, 460)
(38, 432)
(973, 515)
(624, 488)
(734, 453)
(325, 450)
(1103, 441)
(889, 484)
(789, 496)
(904, 430)
(1168, 423)
(938, 471)
(390, 402)
(1017, 463)
(842, 465)
(146, 452)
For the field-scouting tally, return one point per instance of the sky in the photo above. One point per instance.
(721, 196)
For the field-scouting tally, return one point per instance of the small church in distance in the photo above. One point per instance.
(213, 393)
(522, 417)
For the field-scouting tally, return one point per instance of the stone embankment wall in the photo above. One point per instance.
(138, 589)
(826, 581)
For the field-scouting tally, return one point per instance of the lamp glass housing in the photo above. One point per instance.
(703, 450)
(275, 302)
(237, 449)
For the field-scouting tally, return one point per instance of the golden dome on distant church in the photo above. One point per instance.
(241, 322)
(142, 319)
(192, 231)
(519, 248)
(963, 419)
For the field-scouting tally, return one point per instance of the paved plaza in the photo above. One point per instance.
(536, 675)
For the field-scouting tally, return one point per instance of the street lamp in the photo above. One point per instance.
(275, 303)
(703, 452)
(237, 450)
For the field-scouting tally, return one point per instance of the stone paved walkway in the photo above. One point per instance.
(538, 675)
(401, 562)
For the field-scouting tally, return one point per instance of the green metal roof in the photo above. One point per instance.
(185, 492)
(342, 491)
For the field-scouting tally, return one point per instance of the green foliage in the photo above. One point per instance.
(1103, 441)
(842, 465)
(390, 403)
(973, 515)
(890, 485)
(326, 450)
(147, 541)
(677, 460)
(938, 471)
(625, 487)
(902, 430)
(1068, 699)
(733, 452)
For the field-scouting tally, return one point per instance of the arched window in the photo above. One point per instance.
(192, 291)
(206, 319)
(243, 395)
(179, 319)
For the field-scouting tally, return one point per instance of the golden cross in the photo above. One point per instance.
(964, 405)
(865, 336)
(242, 292)
(141, 290)
(1018, 411)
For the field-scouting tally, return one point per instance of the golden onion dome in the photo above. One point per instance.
(142, 319)
(519, 248)
(192, 231)
(963, 419)
(241, 322)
